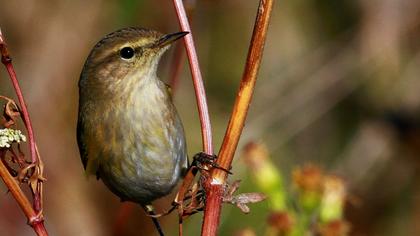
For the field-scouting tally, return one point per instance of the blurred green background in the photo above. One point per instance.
(339, 87)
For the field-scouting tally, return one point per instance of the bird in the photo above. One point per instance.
(129, 132)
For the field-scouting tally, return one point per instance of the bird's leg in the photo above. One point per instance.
(164, 213)
(150, 211)
(196, 199)
(184, 188)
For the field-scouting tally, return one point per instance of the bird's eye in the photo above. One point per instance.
(126, 52)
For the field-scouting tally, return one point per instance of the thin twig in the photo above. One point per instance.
(214, 185)
(200, 93)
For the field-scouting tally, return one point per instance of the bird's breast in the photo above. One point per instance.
(140, 143)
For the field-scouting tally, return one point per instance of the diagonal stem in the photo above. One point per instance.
(34, 220)
(246, 89)
(214, 185)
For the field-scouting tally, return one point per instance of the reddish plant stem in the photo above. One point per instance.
(246, 89)
(36, 196)
(200, 93)
(17, 193)
(35, 220)
(177, 65)
(211, 218)
(7, 61)
(215, 183)
(40, 229)
(37, 193)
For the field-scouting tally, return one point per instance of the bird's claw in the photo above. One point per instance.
(201, 159)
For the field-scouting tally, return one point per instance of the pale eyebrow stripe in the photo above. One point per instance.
(112, 55)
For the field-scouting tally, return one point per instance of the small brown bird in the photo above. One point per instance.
(128, 131)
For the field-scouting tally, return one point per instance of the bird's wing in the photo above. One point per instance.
(81, 143)
(91, 165)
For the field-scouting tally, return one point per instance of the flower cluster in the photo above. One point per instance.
(8, 136)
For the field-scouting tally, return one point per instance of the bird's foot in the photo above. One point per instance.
(201, 160)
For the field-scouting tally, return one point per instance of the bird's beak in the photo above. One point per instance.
(169, 38)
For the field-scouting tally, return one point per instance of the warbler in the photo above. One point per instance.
(128, 131)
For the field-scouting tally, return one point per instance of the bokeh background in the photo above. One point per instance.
(339, 88)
